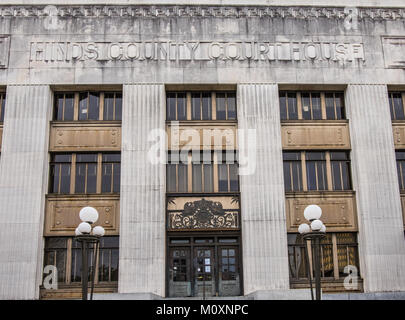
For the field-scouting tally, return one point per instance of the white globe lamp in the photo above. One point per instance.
(316, 225)
(88, 214)
(312, 212)
(84, 228)
(304, 228)
(98, 231)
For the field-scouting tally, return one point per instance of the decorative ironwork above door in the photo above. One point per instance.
(203, 214)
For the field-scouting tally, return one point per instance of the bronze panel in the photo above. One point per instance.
(212, 135)
(87, 137)
(321, 134)
(203, 213)
(62, 213)
(338, 209)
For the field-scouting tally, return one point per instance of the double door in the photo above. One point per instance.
(208, 270)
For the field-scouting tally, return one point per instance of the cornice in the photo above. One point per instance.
(201, 12)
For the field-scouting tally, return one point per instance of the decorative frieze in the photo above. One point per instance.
(202, 11)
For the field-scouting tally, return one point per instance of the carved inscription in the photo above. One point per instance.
(70, 52)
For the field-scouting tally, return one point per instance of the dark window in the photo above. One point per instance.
(60, 173)
(89, 106)
(176, 173)
(226, 105)
(112, 106)
(292, 171)
(311, 106)
(340, 165)
(316, 170)
(334, 104)
(111, 168)
(86, 173)
(64, 106)
(228, 263)
(2, 106)
(288, 105)
(202, 172)
(77, 262)
(396, 106)
(400, 155)
(176, 106)
(56, 255)
(228, 172)
(346, 251)
(108, 259)
(201, 106)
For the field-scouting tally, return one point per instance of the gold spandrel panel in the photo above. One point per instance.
(314, 135)
(85, 137)
(338, 209)
(62, 214)
(398, 130)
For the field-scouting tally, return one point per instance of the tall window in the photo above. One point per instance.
(308, 105)
(338, 250)
(88, 105)
(201, 105)
(65, 253)
(316, 170)
(60, 173)
(396, 100)
(85, 173)
(2, 106)
(202, 172)
(400, 155)
(309, 170)
(292, 171)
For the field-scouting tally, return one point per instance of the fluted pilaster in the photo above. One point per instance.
(142, 233)
(264, 235)
(381, 234)
(23, 182)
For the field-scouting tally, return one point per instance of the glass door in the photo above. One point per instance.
(228, 277)
(204, 271)
(179, 272)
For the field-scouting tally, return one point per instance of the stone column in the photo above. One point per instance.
(264, 232)
(142, 226)
(375, 180)
(23, 183)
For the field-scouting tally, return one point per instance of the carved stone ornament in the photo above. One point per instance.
(203, 214)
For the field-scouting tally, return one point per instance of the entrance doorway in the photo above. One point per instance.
(204, 266)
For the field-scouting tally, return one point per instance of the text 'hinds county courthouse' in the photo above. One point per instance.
(309, 100)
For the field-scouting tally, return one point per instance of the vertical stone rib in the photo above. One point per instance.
(381, 235)
(264, 234)
(142, 234)
(23, 175)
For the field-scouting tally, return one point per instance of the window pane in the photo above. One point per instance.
(59, 98)
(83, 101)
(3, 105)
(287, 176)
(316, 106)
(292, 106)
(222, 177)
(306, 106)
(311, 175)
(94, 99)
(171, 106)
(116, 177)
(118, 106)
(231, 99)
(208, 178)
(321, 172)
(398, 107)
(283, 106)
(91, 178)
(183, 177)
(330, 106)
(221, 107)
(108, 106)
(233, 177)
(195, 106)
(206, 106)
(171, 177)
(181, 106)
(297, 176)
(106, 177)
(197, 177)
(336, 172)
(65, 178)
(80, 178)
(340, 106)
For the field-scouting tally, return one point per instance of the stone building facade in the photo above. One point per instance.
(309, 100)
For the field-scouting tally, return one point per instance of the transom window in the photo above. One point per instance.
(308, 105)
(88, 105)
(396, 101)
(338, 250)
(317, 171)
(202, 172)
(85, 173)
(201, 105)
(65, 253)
(2, 105)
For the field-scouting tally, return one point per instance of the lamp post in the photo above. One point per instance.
(88, 235)
(314, 233)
